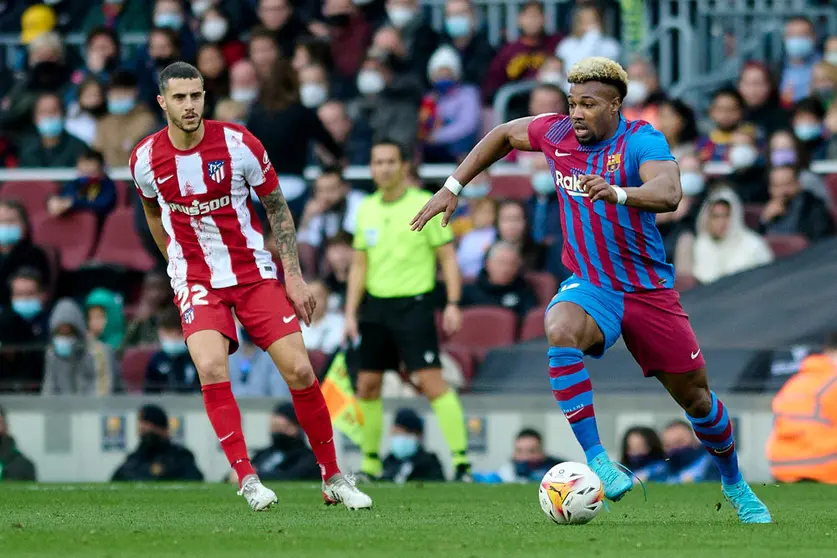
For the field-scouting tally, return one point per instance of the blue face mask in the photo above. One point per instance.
(63, 345)
(169, 20)
(173, 347)
(476, 190)
(404, 446)
(50, 127)
(458, 26)
(807, 132)
(799, 47)
(444, 85)
(121, 106)
(10, 234)
(27, 308)
(543, 183)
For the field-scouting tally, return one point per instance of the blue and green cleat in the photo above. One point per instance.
(616, 483)
(747, 505)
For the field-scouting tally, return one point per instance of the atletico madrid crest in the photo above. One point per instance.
(613, 162)
(215, 170)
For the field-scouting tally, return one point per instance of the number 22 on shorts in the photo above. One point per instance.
(187, 297)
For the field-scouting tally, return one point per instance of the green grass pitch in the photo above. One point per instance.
(438, 521)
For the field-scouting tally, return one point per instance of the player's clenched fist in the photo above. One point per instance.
(597, 188)
(301, 297)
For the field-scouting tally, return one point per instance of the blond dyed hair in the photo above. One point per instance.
(603, 70)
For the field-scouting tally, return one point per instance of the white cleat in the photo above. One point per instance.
(258, 496)
(340, 489)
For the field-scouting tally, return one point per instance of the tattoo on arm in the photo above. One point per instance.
(282, 227)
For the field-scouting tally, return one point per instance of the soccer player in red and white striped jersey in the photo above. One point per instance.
(194, 179)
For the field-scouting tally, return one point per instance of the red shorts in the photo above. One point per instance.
(658, 334)
(263, 308)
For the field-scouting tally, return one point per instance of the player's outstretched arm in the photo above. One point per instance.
(498, 143)
(154, 218)
(282, 227)
(660, 191)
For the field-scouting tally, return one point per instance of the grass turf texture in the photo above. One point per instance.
(448, 521)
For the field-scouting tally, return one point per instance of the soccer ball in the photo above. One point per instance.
(571, 493)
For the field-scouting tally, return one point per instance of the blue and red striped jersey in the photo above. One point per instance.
(613, 246)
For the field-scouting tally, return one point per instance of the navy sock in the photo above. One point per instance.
(715, 432)
(573, 390)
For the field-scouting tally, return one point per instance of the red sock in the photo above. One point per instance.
(312, 413)
(225, 417)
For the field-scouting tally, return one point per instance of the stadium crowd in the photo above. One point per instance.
(318, 83)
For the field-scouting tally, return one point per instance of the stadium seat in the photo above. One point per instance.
(786, 244)
(544, 284)
(119, 243)
(74, 236)
(684, 282)
(831, 186)
(318, 362)
(134, 362)
(533, 324)
(33, 195)
(124, 193)
(752, 215)
(307, 259)
(462, 355)
(484, 328)
(511, 187)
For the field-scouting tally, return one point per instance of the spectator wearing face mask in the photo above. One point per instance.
(800, 57)
(313, 86)
(724, 245)
(785, 149)
(676, 226)
(169, 14)
(84, 115)
(332, 209)
(17, 250)
(824, 84)
(350, 35)
(543, 211)
(128, 121)
(417, 35)
(642, 453)
(747, 164)
(686, 459)
(474, 244)
(171, 369)
(75, 363)
(157, 458)
(760, 92)
(24, 331)
(92, 191)
(807, 120)
(408, 460)
(450, 112)
(792, 210)
(466, 35)
(501, 282)
(521, 59)
(288, 458)
(244, 84)
(529, 462)
(830, 50)
(216, 75)
(102, 55)
(216, 29)
(106, 317)
(587, 38)
(356, 146)
(253, 373)
(326, 330)
(726, 113)
(553, 72)
(644, 94)
(123, 16)
(676, 121)
(163, 48)
(50, 146)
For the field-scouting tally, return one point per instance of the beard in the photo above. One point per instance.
(187, 127)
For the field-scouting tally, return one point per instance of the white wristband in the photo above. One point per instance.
(621, 195)
(453, 185)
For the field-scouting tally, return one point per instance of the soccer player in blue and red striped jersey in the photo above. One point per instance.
(612, 176)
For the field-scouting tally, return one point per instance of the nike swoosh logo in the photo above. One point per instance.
(288, 319)
(695, 354)
(164, 179)
(559, 154)
(574, 413)
(226, 437)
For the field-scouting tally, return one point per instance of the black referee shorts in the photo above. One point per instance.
(396, 330)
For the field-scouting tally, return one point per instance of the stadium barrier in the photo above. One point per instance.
(75, 439)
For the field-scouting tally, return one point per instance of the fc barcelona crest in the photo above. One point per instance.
(215, 170)
(613, 162)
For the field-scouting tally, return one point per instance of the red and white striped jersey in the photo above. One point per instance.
(215, 237)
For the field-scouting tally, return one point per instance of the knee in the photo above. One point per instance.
(563, 334)
(300, 375)
(432, 384)
(369, 386)
(212, 369)
(696, 401)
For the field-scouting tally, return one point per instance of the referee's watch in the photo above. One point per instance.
(453, 303)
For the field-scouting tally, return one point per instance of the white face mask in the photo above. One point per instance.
(691, 183)
(200, 6)
(370, 82)
(637, 93)
(312, 95)
(831, 57)
(742, 156)
(400, 16)
(244, 96)
(213, 30)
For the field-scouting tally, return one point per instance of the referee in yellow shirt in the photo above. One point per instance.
(390, 309)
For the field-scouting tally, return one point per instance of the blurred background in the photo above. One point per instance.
(745, 92)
